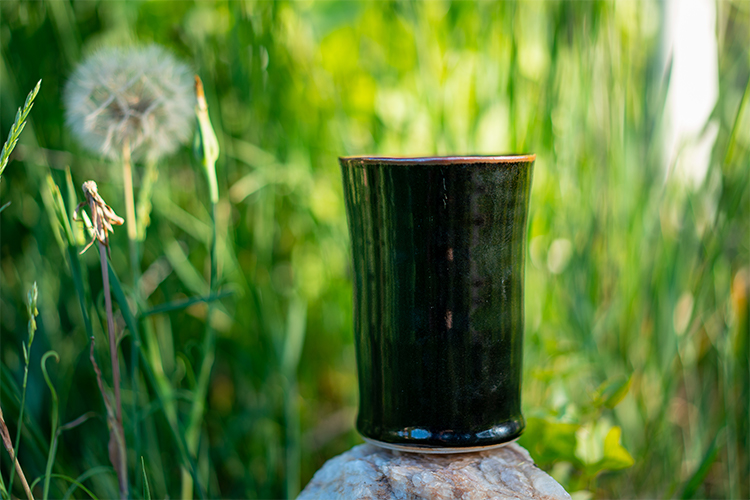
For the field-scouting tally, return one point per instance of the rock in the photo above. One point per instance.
(370, 472)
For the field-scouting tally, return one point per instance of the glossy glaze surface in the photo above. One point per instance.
(438, 267)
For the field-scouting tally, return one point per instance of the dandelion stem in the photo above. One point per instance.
(130, 220)
(135, 270)
(121, 464)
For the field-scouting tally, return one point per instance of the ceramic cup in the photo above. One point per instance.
(438, 247)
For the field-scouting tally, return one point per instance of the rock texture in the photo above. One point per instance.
(370, 472)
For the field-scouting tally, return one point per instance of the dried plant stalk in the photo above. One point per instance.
(103, 217)
(9, 446)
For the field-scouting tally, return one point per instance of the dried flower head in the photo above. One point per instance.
(101, 214)
(135, 97)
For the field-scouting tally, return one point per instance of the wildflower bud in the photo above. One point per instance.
(32, 298)
(206, 146)
(32, 310)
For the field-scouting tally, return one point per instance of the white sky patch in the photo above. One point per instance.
(694, 87)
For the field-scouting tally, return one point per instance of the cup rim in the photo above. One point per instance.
(441, 160)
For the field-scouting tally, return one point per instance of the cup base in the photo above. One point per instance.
(436, 450)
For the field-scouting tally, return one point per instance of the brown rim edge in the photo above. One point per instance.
(439, 160)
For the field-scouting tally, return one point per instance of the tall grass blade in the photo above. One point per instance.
(206, 148)
(184, 220)
(80, 479)
(143, 205)
(54, 421)
(18, 125)
(295, 337)
(183, 304)
(53, 209)
(69, 479)
(700, 474)
(78, 233)
(146, 488)
(116, 446)
(32, 312)
(731, 146)
(171, 417)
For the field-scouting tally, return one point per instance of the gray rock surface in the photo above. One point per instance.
(370, 472)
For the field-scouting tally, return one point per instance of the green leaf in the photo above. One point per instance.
(616, 457)
(612, 391)
(60, 212)
(550, 441)
(183, 304)
(78, 232)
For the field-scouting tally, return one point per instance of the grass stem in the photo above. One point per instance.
(32, 312)
(207, 151)
(54, 420)
(198, 408)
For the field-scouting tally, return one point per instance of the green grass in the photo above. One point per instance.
(637, 283)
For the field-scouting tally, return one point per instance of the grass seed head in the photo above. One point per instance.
(139, 96)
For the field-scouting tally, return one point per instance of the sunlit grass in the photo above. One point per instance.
(637, 282)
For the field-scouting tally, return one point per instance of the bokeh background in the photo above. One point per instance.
(636, 354)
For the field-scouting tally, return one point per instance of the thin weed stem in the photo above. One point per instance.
(111, 332)
(103, 219)
(9, 447)
(118, 455)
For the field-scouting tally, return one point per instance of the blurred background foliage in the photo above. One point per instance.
(637, 280)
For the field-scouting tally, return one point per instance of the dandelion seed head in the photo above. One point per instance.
(139, 96)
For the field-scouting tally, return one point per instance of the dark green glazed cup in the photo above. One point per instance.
(438, 248)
